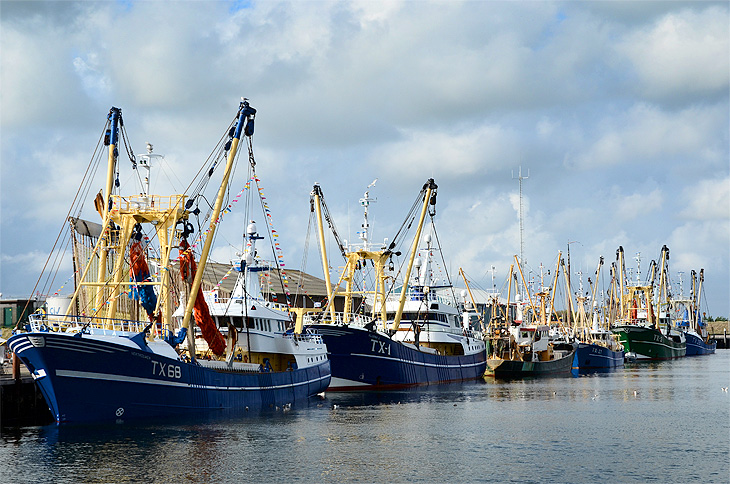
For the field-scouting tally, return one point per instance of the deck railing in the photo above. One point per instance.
(305, 337)
(74, 324)
(352, 319)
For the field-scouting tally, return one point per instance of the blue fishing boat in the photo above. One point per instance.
(398, 336)
(593, 356)
(688, 318)
(100, 361)
(598, 348)
(696, 345)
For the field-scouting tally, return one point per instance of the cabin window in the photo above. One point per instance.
(250, 323)
(237, 321)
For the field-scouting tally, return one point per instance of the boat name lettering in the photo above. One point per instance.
(141, 355)
(657, 338)
(381, 348)
(171, 371)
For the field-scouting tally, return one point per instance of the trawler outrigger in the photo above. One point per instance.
(99, 361)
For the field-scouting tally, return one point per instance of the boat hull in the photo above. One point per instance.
(370, 360)
(85, 379)
(591, 356)
(512, 369)
(649, 344)
(696, 346)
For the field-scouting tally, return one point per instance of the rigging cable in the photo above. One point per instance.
(63, 227)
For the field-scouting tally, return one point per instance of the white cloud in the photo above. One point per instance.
(95, 83)
(648, 134)
(594, 98)
(683, 53)
(636, 205)
(447, 155)
(702, 244)
(35, 261)
(37, 75)
(708, 200)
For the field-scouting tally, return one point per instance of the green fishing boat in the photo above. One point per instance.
(647, 343)
(647, 333)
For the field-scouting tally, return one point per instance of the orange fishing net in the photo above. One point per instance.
(201, 313)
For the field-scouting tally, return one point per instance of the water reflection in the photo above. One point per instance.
(577, 429)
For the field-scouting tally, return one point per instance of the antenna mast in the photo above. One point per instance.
(365, 203)
(522, 241)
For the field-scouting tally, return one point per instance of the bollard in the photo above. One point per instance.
(16, 367)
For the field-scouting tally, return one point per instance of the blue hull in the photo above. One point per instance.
(84, 379)
(368, 360)
(696, 346)
(593, 357)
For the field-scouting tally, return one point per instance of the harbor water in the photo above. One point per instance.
(650, 422)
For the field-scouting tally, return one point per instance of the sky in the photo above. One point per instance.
(616, 113)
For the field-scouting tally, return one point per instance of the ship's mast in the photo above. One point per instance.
(663, 297)
(621, 268)
(593, 293)
(365, 203)
(245, 112)
(429, 198)
(317, 195)
(473, 302)
(145, 161)
(698, 308)
(112, 135)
